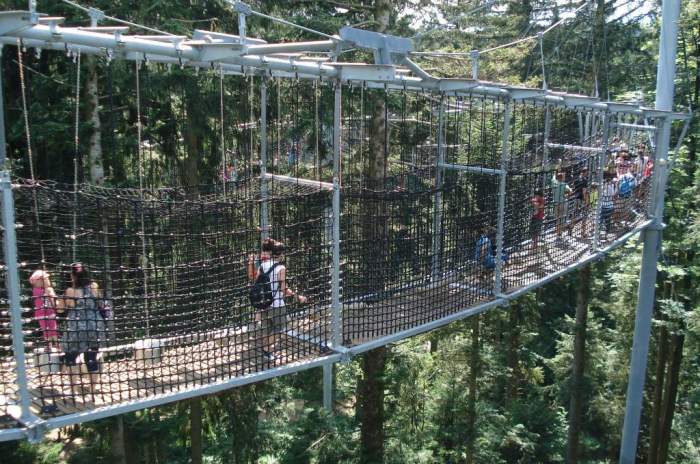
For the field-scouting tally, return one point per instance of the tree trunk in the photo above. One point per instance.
(196, 430)
(475, 364)
(97, 172)
(370, 394)
(671, 390)
(661, 356)
(599, 56)
(118, 443)
(370, 389)
(579, 362)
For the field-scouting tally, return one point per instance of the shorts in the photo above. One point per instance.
(535, 226)
(90, 356)
(274, 319)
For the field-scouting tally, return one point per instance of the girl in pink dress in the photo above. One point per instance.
(44, 298)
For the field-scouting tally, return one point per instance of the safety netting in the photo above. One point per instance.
(447, 201)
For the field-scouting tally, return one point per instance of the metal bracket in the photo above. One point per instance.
(242, 8)
(384, 45)
(96, 15)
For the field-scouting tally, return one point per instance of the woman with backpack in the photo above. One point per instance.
(85, 328)
(268, 292)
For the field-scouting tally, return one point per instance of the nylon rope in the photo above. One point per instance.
(224, 167)
(317, 154)
(28, 136)
(76, 154)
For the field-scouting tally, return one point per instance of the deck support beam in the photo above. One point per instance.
(666, 72)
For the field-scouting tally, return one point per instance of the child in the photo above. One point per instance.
(560, 197)
(44, 298)
(537, 218)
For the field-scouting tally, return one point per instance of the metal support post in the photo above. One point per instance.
(500, 232)
(241, 25)
(12, 283)
(600, 178)
(328, 387)
(336, 315)
(437, 208)
(3, 148)
(666, 72)
(264, 215)
(337, 327)
(474, 55)
(12, 273)
(545, 142)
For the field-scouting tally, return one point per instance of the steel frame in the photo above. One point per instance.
(241, 55)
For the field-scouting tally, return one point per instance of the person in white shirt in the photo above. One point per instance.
(273, 318)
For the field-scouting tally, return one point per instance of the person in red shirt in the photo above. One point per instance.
(537, 218)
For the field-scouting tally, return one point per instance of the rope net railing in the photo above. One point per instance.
(432, 186)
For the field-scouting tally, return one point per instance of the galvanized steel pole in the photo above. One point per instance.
(264, 217)
(437, 207)
(500, 232)
(666, 72)
(336, 315)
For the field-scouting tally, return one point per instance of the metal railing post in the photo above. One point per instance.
(545, 143)
(264, 214)
(600, 179)
(500, 232)
(437, 208)
(336, 310)
(9, 243)
(13, 293)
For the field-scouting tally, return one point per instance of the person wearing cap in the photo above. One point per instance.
(273, 318)
(44, 298)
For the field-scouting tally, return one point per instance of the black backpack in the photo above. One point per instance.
(261, 295)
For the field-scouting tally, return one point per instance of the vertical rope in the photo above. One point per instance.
(76, 153)
(28, 136)
(144, 259)
(27, 132)
(278, 123)
(318, 126)
(224, 174)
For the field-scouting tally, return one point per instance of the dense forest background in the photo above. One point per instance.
(541, 381)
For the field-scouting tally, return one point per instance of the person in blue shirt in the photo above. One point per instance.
(484, 253)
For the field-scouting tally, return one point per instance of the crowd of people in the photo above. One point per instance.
(575, 196)
(570, 200)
